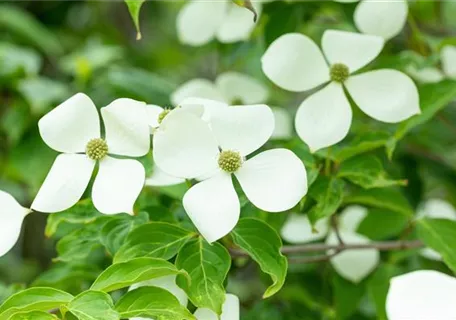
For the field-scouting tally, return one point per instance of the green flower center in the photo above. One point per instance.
(229, 161)
(339, 72)
(96, 149)
(163, 115)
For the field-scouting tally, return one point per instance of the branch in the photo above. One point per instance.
(316, 247)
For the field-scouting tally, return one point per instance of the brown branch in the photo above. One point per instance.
(316, 247)
(335, 226)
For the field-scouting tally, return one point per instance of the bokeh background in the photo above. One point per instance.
(50, 50)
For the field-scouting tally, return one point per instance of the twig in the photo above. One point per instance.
(316, 247)
(335, 226)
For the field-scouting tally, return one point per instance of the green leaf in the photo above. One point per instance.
(33, 315)
(114, 232)
(367, 171)
(134, 6)
(25, 25)
(393, 223)
(139, 84)
(152, 302)
(361, 143)
(434, 97)
(79, 244)
(18, 60)
(378, 286)
(42, 93)
(67, 276)
(263, 244)
(347, 296)
(208, 266)
(124, 274)
(328, 194)
(156, 239)
(386, 198)
(248, 5)
(440, 235)
(39, 299)
(92, 305)
(82, 213)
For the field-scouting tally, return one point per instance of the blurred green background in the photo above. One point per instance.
(50, 50)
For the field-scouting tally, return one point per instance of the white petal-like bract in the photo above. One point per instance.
(240, 87)
(386, 95)
(351, 217)
(382, 18)
(243, 128)
(12, 215)
(297, 229)
(295, 63)
(158, 178)
(71, 125)
(185, 147)
(324, 118)
(425, 75)
(238, 24)
(352, 49)
(65, 183)
(213, 206)
(274, 180)
(230, 310)
(198, 21)
(423, 294)
(448, 57)
(117, 185)
(126, 127)
(197, 88)
(283, 124)
(153, 112)
(353, 265)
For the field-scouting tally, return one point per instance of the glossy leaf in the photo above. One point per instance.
(92, 305)
(208, 265)
(263, 244)
(124, 274)
(152, 302)
(328, 194)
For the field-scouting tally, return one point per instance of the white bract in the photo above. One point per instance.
(233, 88)
(73, 128)
(295, 63)
(186, 147)
(425, 75)
(435, 209)
(199, 22)
(381, 18)
(448, 57)
(423, 295)
(230, 310)
(12, 215)
(353, 265)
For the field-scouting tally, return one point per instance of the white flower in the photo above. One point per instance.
(155, 115)
(12, 215)
(295, 63)
(186, 147)
(199, 22)
(425, 75)
(73, 128)
(435, 209)
(423, 295)
(230, 310)
(233, 88)
(353, 265)
(448, 57)
(381, 18)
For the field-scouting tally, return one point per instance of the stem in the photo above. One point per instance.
(316, 247)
